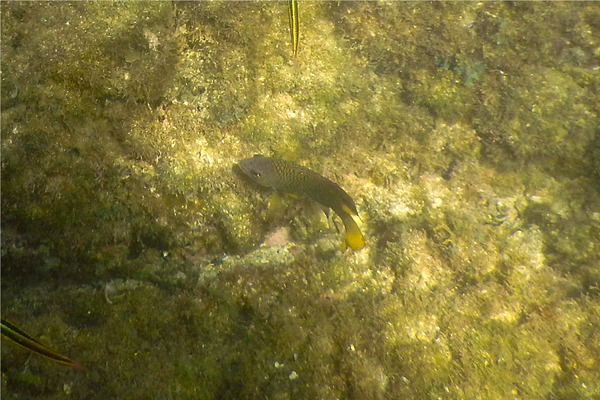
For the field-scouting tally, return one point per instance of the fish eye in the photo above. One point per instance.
(255, 174)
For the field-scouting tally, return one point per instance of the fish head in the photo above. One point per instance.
(261, 170)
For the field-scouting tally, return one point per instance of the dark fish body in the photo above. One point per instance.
(286, 177)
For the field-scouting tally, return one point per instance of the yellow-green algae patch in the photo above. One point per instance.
(466, 133)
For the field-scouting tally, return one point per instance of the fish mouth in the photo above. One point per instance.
(241, 172)
(246, 177)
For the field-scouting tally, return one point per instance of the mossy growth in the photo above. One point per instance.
(466, 133)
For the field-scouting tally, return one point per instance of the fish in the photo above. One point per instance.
(21, 338)
(448, 172)
(283, 176)
(294, 27)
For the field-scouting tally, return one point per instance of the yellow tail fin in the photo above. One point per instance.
(354, 237)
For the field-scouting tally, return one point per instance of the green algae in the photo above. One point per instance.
(130, 245)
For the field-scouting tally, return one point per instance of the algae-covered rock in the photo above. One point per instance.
(466, 133)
